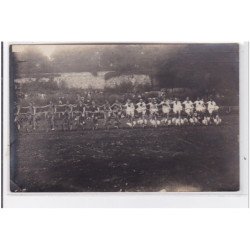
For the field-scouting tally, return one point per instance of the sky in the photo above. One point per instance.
(49, 49)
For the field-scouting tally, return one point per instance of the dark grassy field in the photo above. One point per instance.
(164, 159)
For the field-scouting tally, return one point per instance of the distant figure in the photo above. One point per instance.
(153, 110)
(141, 111)
(94, 112)
(177, 107)
(117, 112)
(107, 113)
(80, 116)
(212, 107)
(130, 112)
(188, 106)
(50, 116)
(166, 108)
(200, 106)
(32, 116)
(67, 115)
(17, 119)
(217, 120)
(60, 102)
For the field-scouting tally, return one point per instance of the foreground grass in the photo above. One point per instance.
(163, 159)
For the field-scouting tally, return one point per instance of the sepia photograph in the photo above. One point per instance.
(124, 117)
(135, 113)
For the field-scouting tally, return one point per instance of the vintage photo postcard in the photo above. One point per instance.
(124, 117)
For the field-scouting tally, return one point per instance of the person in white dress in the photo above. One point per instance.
(166, 109)
(212, 107)
(177, 107)
(189, 107)
(130, 112)
(141, 111)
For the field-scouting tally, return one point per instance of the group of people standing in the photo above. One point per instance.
(153, 112)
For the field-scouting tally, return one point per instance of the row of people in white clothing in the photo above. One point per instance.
(166, 106)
